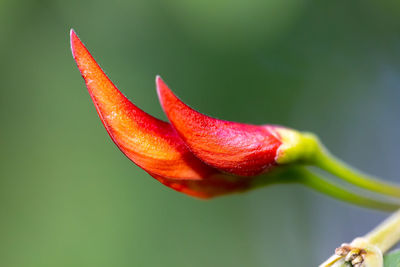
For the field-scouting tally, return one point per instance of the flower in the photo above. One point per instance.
(198, 155)
(150, 143)
(206, 157)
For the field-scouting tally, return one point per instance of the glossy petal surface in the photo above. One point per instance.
(150, 143)
(237, 148)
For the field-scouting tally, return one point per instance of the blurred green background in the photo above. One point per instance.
(69, 197)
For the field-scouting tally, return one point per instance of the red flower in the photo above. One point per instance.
(206, 157)
(222, 151)
(150, 143)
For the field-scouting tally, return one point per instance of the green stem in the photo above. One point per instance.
(311, 180)
(303, 176)
(340, 169)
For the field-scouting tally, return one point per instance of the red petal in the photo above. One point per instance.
(237, 148)
(150, 143)
(215, 185)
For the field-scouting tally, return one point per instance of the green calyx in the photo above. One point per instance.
(297, 147)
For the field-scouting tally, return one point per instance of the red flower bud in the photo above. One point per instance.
(206, 157)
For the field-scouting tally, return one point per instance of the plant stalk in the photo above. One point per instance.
(329, 163)
(299, 174)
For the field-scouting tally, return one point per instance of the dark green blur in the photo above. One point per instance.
(69, 197)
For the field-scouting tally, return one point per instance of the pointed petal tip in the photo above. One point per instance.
(73, 36)
(74, 41)
(159, 83)
(165, 94)
(72, 32)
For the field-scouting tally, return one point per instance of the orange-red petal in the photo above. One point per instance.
(150, 143)
(237, 148)
(215, 185)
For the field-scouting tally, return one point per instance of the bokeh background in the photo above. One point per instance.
(68, 197)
